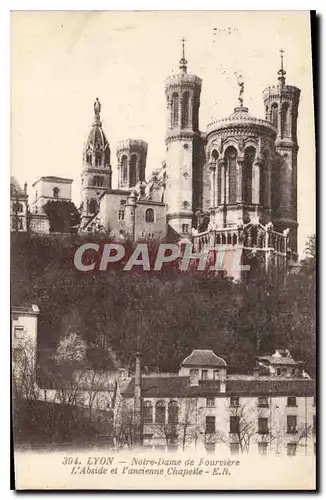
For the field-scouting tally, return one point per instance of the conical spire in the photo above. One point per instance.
(183, 60)
(281, 72)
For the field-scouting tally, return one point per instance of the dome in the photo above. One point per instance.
(15, 187)
(203, 357)
(239, 119)
(96, 139)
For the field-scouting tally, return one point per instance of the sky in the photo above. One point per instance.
(62, 60)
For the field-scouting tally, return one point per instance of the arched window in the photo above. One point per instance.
(98, 158)
(231, 165)
(160, 412)
(214, 156)
(124, 169)
(89, 157)
(274, 114)
(284, 119)
(93, 206)
(18, 207)
(249, 157)
(185, 109)
(150, 215)
(55, 192)
(133, 171)
(173, 412)
(148, 412)
(175, 110)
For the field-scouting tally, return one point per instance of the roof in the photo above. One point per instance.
(179, 387)
(27, 310)
(53, 178)
(172, 387)
(273, 360)
(97, 136)
(203, 357)
(241, 118)
(16, 186)
(271, 386)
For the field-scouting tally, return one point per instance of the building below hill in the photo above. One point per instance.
(203, 406)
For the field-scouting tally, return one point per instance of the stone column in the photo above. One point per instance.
(212, 169)
(268, 185)
(240, 163)
(221, 164)
(255, 182)
(279, 120)
(227, 190)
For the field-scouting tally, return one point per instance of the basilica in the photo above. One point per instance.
(233, 184)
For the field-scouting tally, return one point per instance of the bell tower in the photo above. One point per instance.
(96, 173)
(182, 92)
(281, 107)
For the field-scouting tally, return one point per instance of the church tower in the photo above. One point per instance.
(281, 107)
(182, 141)
(131, 155)
(96, 173)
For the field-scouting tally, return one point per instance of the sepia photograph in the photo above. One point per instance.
(163, 250)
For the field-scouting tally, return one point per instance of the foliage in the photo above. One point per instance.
(63, 216)
(166, 313)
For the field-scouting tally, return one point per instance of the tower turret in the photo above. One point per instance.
(96, 173)
(281, 107)
(182, 141)
(131, 155)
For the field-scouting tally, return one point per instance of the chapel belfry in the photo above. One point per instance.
(281, 107)
(96, 173)
(182, 140)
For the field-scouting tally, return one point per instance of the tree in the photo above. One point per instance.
(63, 216)
(24, 371)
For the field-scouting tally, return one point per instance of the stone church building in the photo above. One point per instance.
(233, 184)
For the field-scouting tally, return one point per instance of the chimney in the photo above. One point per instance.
(25, 188)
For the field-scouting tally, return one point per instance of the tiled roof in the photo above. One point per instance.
(178, 387)
(274, 360)
(203, 357)
(172, 387)
(295, 387)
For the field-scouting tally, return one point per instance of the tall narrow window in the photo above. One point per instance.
(148, 412)
(231, 165)
(234, 425)
(133, 170)
(274, 114)
(160, 412)
(249, 157)
(185, 109)
(124, 169)
(284, 119)
(175, 110)
(173, 412)
(149, 215)
(98, 158)
(210, 425)
(92, 206)
(55, 192)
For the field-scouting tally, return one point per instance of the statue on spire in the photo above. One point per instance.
(241, 89)
(97, 108)
(183, 60)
